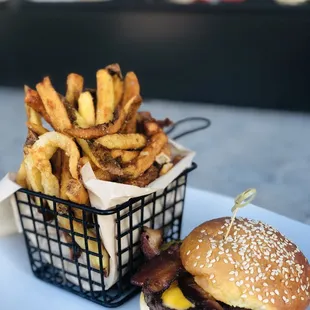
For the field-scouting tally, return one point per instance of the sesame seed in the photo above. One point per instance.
(244, 296)
(199, 240)
(251, 293)
(211, 276)
(265, 284)
(201, 266)
(202, 231)
(302, 298)
(293, 297)
(277, 292)
(272, 300)
(195, 264)
(198, 257)
(232, 279)
(265, 301)
(210, 265)
(188, 252)
(260, 298)
(197, 247)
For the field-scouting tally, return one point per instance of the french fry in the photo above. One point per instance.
(105, 97)
(147, 156)
(48, 143)
(36, 128)
(86, 149)
(87, 109)
(165, 168)
(73, 114)
(92, 245)
(77, 193)
(32, 115)
(151, 128)
(117, 77)
(33, 100)
(145, 117)
(21, 177)
(104, 129)
(131, 86)
(53, 105)
(146, 178)
(131, 141)
(125, 156)
(118, 90)
(105, 159)
(39, 174)
(131, 89)
(65, 176)
(75, 84)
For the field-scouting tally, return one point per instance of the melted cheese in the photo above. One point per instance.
(173, 298)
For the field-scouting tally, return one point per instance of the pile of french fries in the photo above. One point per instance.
(102, 127)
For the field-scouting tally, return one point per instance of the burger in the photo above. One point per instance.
(252, 267)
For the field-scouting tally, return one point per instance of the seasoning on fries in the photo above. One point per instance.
(101, 127)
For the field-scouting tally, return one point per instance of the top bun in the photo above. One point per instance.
(256, 267)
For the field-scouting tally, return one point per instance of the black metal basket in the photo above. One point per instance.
(42, 214)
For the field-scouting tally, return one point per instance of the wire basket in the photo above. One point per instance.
(55, 257)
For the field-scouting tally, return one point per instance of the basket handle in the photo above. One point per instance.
(205, 124)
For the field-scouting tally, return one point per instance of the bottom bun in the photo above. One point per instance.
(143, 305)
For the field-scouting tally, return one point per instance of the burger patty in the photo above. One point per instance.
(199, 297)
(154, 302)
(193, 292)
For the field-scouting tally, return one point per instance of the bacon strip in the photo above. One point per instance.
(158, 273)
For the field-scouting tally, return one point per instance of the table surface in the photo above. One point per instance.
(21, 290)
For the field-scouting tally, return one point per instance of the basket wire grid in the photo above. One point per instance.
(50, 265)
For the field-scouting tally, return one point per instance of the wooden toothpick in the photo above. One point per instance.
(241, 201)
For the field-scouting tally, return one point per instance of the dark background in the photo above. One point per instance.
(245, 55)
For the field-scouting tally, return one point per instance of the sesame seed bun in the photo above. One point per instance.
(255, 268)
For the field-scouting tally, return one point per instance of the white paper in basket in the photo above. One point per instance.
(115, 193)
(104, 195)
